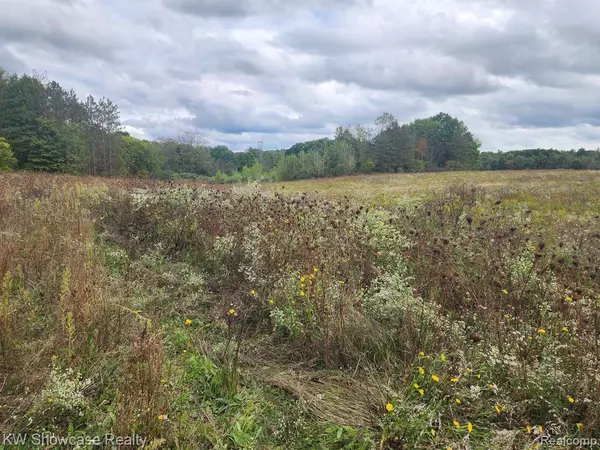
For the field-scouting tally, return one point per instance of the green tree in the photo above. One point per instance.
(7, 159)
(48, 150)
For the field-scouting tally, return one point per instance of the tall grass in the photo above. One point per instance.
(464, 316)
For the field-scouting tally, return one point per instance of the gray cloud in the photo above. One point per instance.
(520, 74)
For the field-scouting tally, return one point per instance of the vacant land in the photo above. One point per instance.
(452, 310)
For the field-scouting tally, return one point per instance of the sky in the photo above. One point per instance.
(520, 74)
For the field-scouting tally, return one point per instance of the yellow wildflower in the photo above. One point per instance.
(454, 380)
(188, 322)
(162, 417)
(315, 270)
(498, 409)
(389, 407)
(469, 427)
(433, 432)
(416, 386)
(422, 354)
(580, 426)
(565, 329)
(571, 400)
(271, 301)
(458, 402)
(568, 298)
(302, 294)
(443, 357)
(422, 392)
(456, 423)
(478, 375)
(302, 279)
(421, 371)
(231, 312)
(528, 428)
(541, 331)
(540, 429)
(435, 378)
(252, 292)
(163, 381)
(504, 291)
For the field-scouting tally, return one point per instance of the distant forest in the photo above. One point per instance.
(45, 127)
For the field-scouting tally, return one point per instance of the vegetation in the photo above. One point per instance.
(50, 129)
(452, 310)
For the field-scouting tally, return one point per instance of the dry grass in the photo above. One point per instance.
(203, 317)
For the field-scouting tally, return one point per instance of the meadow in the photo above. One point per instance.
(456, 310)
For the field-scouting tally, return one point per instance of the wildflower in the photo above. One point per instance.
(435, 378)
(188, 322)
(565, 329)
(541, 331)
(454, 380)
(302, 279)
(530, 338)
(162, 417)
(422, 392)
(580, 426)
(340, 282)
(231, 312)
(315, 270)
(478, 376)
(469, 427)
(571, 400)
(184, 351)
(456, 424)
(416, 386)
(443, 357)
(504, 291)
(163, 381)
(540, 429)
(252, 292)
(302, 294)
(422, 354)
(493, 386)
(271, 301)
(458, 402)
(498, 409)
(421, 371)
(433, 432)
(528, 428)
(469, 370)
(53, 356)
(568, 298)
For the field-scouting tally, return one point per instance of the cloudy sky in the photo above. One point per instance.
(518, 73)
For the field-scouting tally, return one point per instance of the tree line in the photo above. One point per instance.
(45, 127)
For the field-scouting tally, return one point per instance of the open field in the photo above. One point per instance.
(451, 310)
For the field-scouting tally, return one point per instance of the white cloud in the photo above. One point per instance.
(520, 74)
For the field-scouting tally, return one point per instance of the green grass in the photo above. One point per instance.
(384, 311)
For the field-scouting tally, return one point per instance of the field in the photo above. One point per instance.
(447, 310)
